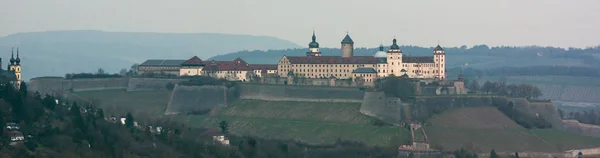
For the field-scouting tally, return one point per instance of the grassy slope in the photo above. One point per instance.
(485, 128)
(312, 122)
(142, 103)
(304, 121)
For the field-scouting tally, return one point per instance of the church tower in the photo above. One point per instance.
(15, 66)
(313, 47)
(347, 46)
(394, 59)
(439, 57)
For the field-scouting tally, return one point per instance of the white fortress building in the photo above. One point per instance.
(364, 68)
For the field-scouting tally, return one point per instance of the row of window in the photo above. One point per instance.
(322, 75)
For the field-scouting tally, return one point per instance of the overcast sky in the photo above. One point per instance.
(563, 23)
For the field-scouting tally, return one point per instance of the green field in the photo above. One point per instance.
(484, 128)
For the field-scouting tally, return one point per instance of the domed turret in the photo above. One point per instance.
(314, 43)
(12, 57)
(394, 45)
(380, 53)
(18, 60)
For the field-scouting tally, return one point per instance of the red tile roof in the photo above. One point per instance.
(194, 61)
(235, 65)
(417, 59)
(332, 60)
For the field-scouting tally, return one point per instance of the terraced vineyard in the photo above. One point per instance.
(311, 122)
(290, 110)
(140, 103)
(485, 128)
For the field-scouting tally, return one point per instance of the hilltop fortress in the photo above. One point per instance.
(358, 71)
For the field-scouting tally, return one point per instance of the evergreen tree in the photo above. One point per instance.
(493, 154)
(129, 120)
(23, 89)
(474, 86)
(224, 127)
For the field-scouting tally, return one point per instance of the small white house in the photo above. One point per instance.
(12, 126)
(15, 137)
(221, 139)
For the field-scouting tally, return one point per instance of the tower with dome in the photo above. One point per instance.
(13, 72)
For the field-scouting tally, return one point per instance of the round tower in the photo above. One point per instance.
(347, 47)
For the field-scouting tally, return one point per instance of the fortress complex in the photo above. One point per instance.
(236, 70)
(357, 69)
(364, 68)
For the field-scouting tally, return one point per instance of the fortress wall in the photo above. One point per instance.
(47, 85)
(376, 105)
(581, 128)
(198, 98)
(300, 93)
(93, 84)
(148, 84)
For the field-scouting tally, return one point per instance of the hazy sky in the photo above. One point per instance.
(564, 23)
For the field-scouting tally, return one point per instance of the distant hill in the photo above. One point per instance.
(478, 57)
(55, 53)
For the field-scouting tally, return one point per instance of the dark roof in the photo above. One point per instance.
(417, 59)
(364, 70)
(394, 45)
(438, 48)
(382, 60)
(235, 65)
(14, 133)
(263, 66)
(162, 62)
(314, 43)
(332, 60)
(347, 40)
(194, 61)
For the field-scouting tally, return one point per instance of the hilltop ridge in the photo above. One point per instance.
(87, 50)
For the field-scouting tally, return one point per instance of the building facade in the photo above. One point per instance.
(236, 70)
(364, 68)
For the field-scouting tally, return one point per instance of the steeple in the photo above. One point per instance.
(12, 56)
(381, 47)
(394, 45)
(18, 60)
(314, 43)
(347, 39)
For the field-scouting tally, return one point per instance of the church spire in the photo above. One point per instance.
(313, 43)
(18, 60)
(12, 56)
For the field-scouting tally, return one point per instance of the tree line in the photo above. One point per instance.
(501, 88)
(588, 116)
(530, 71)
